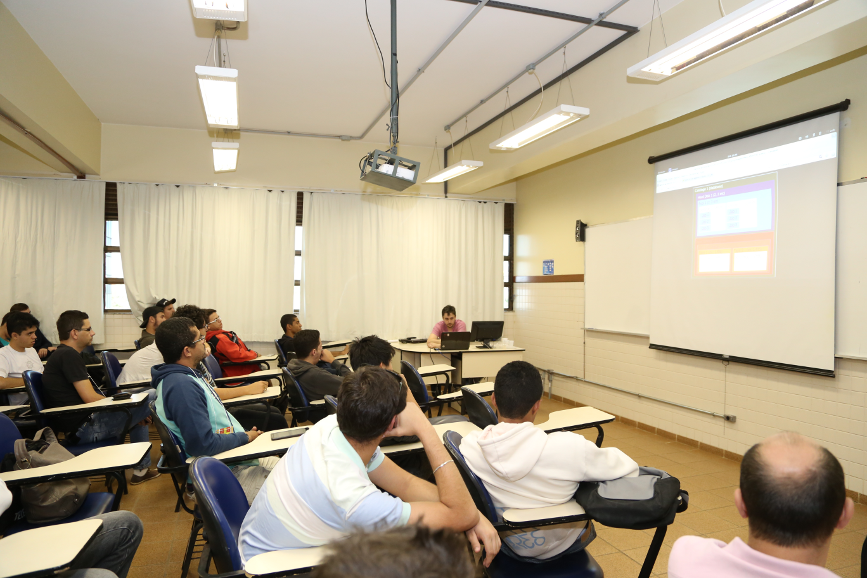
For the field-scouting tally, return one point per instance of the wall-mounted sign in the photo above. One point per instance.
(548, 267)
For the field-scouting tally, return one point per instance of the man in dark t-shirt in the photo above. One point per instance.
(65, 381)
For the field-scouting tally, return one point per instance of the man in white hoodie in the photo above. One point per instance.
(523, 467)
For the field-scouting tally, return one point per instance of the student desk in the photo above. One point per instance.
(260, 447)
(12, 408)
(46, 551)
(260, 359)
(272, 392)
(283, 562)
(134, 401)
(100, 461)
(462, 427)
(468, 363)
(577, 418)
(335, 344)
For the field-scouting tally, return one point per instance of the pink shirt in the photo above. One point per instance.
(693, 556)
(441, 326)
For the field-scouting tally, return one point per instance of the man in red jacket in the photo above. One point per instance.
(228, 347)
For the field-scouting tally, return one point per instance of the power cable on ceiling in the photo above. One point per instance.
(381, 59)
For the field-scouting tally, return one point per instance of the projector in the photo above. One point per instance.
(388, 170)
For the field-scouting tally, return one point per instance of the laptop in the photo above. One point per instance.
(455, 340)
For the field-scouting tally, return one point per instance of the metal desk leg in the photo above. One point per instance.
(600, 437)
(121, 489)
(653, 552)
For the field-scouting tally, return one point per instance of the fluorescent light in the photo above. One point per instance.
(554, 119)
(455, 170)
(744, 23)
(225, 156)
(219, 89)
(235, 10)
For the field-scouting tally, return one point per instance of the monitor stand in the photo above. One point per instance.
(486, 344)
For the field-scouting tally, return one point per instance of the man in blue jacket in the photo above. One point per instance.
(193, 411)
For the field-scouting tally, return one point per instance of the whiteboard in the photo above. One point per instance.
(851, 309)
(617, 276)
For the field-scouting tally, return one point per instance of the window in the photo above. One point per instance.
(508, 254)
(115, 298)
(296, 296)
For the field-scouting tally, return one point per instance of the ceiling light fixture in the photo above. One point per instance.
(225, 156)
(455, 170)
(219, 89)
(234, 10)
(744, 23)
(553, 120)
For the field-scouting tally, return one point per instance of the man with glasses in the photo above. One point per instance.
(227, 347)
(65, 381)
(193, 411)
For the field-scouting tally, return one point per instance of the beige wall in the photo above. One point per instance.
(616, 183)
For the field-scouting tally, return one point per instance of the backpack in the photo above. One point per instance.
(651, 499)
(48, 501)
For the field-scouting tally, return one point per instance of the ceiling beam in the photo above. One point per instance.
(552, 14)
(36, 140)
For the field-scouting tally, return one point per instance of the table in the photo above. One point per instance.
(98, 461)
(46, 551)
(577, 418)
(260, 447)
(283, 561)
(468, 363)
(462, 427)
(270, 393)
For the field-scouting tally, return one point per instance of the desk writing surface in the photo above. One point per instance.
(284, 560)
(18, 389)
(575, 418)
(462, 427)
(484, 388)
(136, 399)
(259, 447)
(423, 348)
(105, 459)
(272, 392)
(340, 343)
(49, 549)
(428, 370)
(11, 408)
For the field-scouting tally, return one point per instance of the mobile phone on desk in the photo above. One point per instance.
(288, 433)
(121, 396)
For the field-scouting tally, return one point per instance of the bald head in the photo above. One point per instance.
(793, 490)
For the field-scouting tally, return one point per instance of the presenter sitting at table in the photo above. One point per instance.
(335, 479)
(523, 467)
(192, 410)
(108, 554)
(450, 322)
(19, 356)
(227, 347)
(65, 382)
(316, 370)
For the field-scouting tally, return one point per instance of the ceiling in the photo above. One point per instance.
(311, 66)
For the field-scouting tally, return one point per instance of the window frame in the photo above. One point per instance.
(299, 217)
(110, 215)
(509, 229)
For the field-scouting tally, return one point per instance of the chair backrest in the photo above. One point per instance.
(135, 342)
(33, 384)
(223, 505)
(281, 357)
(8, 434)
(297, 399)
(175, 455)
(415, 382)
(480, 495)
(331, 404)
(213, 366)
(480, 413)
(112, 367)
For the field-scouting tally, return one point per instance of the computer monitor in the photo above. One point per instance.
(486, 331)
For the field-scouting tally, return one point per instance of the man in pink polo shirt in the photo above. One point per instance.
(792, 492)
(450, 322)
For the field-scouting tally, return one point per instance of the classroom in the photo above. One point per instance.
(255, 321)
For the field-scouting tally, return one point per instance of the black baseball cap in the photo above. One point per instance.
(163, 303)
(148, 313)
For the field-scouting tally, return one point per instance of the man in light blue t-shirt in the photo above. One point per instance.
(328, 484)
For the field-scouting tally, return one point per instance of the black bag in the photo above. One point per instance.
(651, 499)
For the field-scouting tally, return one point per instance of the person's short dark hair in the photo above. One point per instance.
(207, 313)
(792, 511)
(449, 309)
(72, 320)
(414, 550)
(6, 317)
(287, 320)
(20, 322)
(191, 312)
(173, 335)
(368, 400)
(517, 387)
(370, 350)
(19, 307)
(305, 342)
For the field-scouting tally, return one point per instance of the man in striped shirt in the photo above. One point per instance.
(328, 484)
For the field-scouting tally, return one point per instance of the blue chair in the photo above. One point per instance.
(419, 392)
(578, 565)
(331, 404)
(281, 356)
(136, 344)
(302, 410)
(95, 503)
(480, 413)
(33, 383)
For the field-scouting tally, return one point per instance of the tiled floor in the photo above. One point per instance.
(709, 479)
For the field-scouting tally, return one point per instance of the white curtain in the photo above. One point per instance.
(221, 248)
(388, 264)
(52, 235)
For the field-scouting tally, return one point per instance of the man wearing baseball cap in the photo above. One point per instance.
(167, 306)
(150, 320)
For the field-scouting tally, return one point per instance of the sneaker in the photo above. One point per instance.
(190, 496)
(148, 475)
